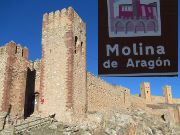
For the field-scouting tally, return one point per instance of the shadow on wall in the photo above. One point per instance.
(29, 94)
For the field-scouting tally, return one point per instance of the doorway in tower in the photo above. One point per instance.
(29, 94)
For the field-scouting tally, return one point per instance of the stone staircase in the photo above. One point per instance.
(31, 124)
(26, 126)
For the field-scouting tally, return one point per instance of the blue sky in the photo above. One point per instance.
(21, 21)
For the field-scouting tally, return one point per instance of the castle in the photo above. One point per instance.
(59, 83)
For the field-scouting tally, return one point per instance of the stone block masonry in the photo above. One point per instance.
(104, 97)
(167, 94)
(37, 67)
(14, 62)
(145, 91)
(63, 71)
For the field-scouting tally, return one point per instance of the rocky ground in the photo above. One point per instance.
(130, 122)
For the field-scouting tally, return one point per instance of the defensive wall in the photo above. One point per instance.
(13, 71)
(161, 105)
(105, 97)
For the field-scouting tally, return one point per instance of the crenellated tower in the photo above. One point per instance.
(13, 71)
(63, 69)
(167, 94)
(146, 91)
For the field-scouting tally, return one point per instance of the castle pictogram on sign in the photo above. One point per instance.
(133, 18)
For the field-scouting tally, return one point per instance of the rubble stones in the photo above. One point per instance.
(134, 122)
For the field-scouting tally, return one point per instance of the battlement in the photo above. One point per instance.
(13, 49)
(60, 16)
(167, 94)
(145, 91)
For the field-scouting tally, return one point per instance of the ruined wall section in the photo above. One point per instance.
(105, 97)
(14, 79)
(79, 65)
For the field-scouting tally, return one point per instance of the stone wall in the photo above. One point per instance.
(60, 79)
(162, 100)
(37, 68)
(14, 86)
(18, 84)
(137, 102)
(157, 99)
(79, 65)
(176, 100)
(3, 65)
(177, 117)
(105, 97)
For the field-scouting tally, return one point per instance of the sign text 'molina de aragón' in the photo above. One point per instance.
(138, 38)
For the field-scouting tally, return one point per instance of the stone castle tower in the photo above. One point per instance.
(167, 94)
(63, 72)
(146, 91)
(13, 71)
